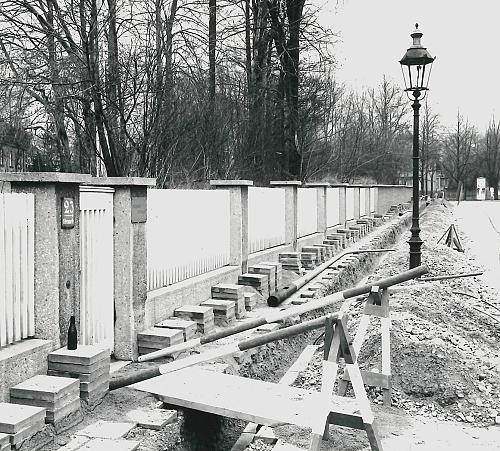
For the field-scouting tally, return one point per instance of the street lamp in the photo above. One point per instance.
(413, 66)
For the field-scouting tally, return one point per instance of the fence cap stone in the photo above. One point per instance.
(231, 182)
(316, 184)
(67, 177)
(286, 183)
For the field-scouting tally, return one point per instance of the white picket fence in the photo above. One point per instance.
(17, 235)
(266, 218)
(187, 234)
(333, 206)
(362, 201)
(373, 193)
(349, 203)
(307, 215)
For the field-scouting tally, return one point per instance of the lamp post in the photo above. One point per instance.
(413, 66)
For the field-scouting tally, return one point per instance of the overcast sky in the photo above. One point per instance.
(464, 36)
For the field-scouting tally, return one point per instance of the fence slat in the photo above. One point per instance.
(3, 294)
(30, 236)
(9, 262)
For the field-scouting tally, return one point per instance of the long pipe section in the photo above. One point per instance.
(283, 293)
(222, 351)
(279, 315)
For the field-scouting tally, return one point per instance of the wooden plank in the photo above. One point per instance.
(17, 213)
(245, 399)
(361, 333)
(386, 345)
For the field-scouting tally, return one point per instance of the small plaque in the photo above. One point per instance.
(68, 213)
(139, 205)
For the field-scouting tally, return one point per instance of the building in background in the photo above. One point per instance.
(12, 159)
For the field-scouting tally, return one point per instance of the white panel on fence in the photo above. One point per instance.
(333, 206)
(307, 211)
(362, 202)
(266, 218)
(349, 203)
(17, 318)
(96, 266)
(373, 207)
(187, 234)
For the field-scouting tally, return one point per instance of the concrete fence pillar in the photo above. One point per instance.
(322, 207)
(291, 209)
(130, 261)
(238, 205)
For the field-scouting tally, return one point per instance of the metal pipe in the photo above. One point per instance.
(222, 351)
(452, 276)
(279, 315)
(284, 293)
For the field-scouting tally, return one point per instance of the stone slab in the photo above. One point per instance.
(219, 305)
(28, 431)
(99, 444)
(83, 355)
(161, 336)
(49, 405)
(95, 395)
(155, 419)
(196, 312)
(75, 444)
(46, 388)
(107, 429)
(59, 414)
(188, 327)
(78, 369)
(84, 377)
(94, 385)
(16, 417)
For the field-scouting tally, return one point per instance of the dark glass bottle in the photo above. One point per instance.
(72, 335)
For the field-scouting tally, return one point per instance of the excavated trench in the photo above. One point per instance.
(203, 431)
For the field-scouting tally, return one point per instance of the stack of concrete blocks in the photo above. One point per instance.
(319, 250)
(203, 316)
(269, 271)
(60, 396)
(291, 261)
(158, 338)
(329, 249)
(250, 301)
(187, 327)
(338, 239)
(19, 422)
(88, 363)
(235, 293)
(309, 260)
(278, 274)
(224, 311)
(258, 281)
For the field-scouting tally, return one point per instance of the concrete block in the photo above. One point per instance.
(107, 429)
(46, 388)
(155, 419)
(188, 327)
(250, 301)
(31, 429)
(49, 405)
(160, 337)
(16, 417)
(84, 377)
(4, 440)
(63, 412)
(78, 369)
(196, 313)
(83, 355)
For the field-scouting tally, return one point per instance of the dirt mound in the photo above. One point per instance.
(444, 338)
